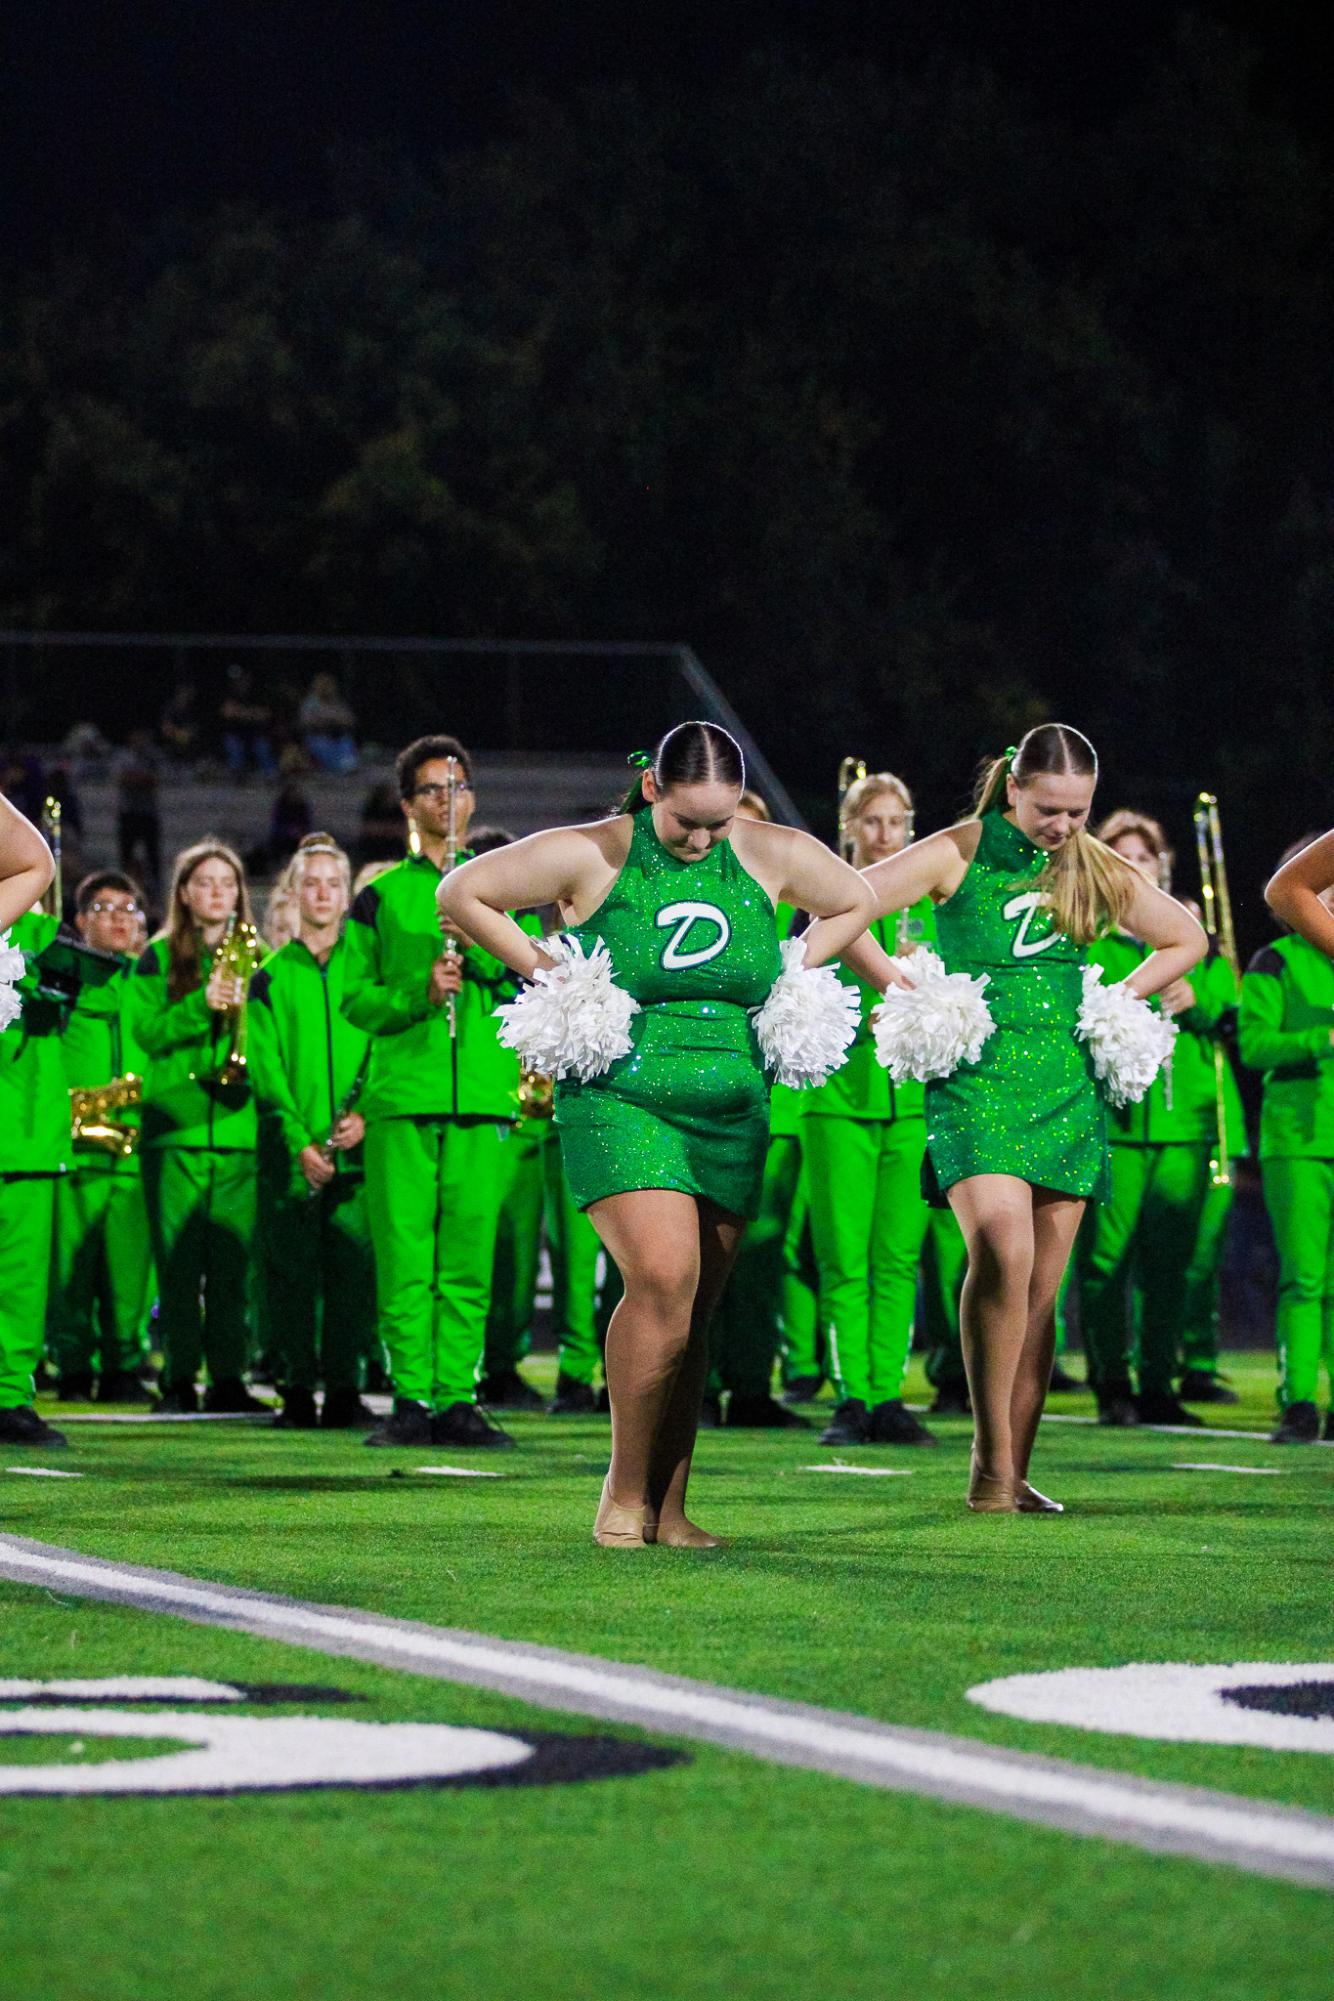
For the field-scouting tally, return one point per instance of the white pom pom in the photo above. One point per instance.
(13, 965)
(573, 1021)
(808, 1021)
(1129, 1040)
(929, 1029)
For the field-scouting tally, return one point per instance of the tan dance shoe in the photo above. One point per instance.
(988, 1494)
(1030, 1502)
(617, 1527)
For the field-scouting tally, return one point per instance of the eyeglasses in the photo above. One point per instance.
(441, 791)
(97, 908)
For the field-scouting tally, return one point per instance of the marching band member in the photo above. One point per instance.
(441, 1099)
(666, 1148)
(101, 1293)
(1136, 1249)
(186, 1008)
(1016, 1140)
(766, 1300)
(34, 1115)
(310, 1068)
(865, 1137)
(1286, 1029)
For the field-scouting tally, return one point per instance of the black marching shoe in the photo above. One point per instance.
(122, 1386)
(75, 1387)
(803, 1389)
(408, 1423)
(892, 1423)
(176, 1400)
(710, 1412)
(344, 1411)
(951, 1401)
(507, 1390)
(229, 1397)
(1117, 1406)
(572, 1398)
(1062, 1383)
(1200, 1386)
(1299, 1425)
(298, 1412)
(20, 1425)
(851, 1424)
(1161, 1407)
(751, 1412)
(464, 1424)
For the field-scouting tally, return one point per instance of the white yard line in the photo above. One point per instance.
(1214, 1466)
(1249, 1834)
(865, 1472)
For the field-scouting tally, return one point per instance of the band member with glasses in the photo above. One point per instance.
(101, 1281)
(442, 1097)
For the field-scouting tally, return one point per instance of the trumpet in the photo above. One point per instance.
(92, 1122)
(238, 956)
(1216, 904)
(537, 1095)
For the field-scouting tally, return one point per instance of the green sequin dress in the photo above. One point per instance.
(1030, 1105)
(696, 943)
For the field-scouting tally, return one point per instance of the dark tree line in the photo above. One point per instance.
(919, 417)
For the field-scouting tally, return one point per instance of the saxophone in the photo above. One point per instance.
(92, 1123)
(238, 955)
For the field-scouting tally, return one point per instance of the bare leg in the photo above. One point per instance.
(995, 1213)
(653, 1235)
(669, 1467)
(1056, 1220)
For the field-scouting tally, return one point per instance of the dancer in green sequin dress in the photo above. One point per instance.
(667, 1148)
(1030, 1105)
(697, 945)
(1017, 1139)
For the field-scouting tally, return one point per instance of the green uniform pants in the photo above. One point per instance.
(27, 1220)
(201, 1222)
(944, 1261)
(320, 1285)
(1141, 1237)
(768, 1302)
(1200, 1312)
(1299, 1195)
(537, 1199)
(868, 1224)
(100, 1280)
(433, 1190)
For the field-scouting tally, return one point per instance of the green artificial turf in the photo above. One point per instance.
(721, 1876)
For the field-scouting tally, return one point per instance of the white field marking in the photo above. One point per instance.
(866, 1472)
(1215, 1466)
(1170, 1701)
(165, 1416)
(1200, 1431)
(461, 1472)
(44, 1472)
(251, 1754)
(1252, 1834)
(125, 1688)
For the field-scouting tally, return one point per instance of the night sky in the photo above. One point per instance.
(120, 113)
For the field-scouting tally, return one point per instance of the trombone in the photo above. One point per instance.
(53, 896)
(1217, 909)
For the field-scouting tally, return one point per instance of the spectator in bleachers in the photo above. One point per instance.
(178, 726)
(328, 726)
(381, 834)
(135, 770)
(245, 721)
